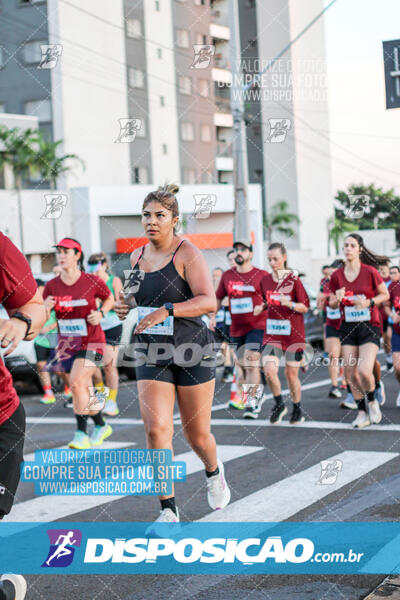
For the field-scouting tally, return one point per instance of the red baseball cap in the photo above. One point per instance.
(68, 243)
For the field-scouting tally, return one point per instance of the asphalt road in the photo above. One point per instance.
(258, 456)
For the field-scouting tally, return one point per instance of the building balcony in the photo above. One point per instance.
(223, 119)
(224, 163)
(219, 32)
(222, 75)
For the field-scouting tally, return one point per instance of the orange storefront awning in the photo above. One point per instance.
(204, 241)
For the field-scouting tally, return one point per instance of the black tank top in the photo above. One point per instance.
(166, 285)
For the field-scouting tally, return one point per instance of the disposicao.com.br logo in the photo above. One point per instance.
(62, 547)
(212, 551)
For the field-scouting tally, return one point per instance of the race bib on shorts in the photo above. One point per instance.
(164, 328)
(278, 327)
(220, 316)
(241, 305)
(354, 315)
(72, 327)
(332, 313)
(228, 318)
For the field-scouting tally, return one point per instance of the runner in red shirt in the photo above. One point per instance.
(81, 340)
(358, 290)
(24, 305)
(285, 302)
(393, 312)
(384, 271)
(242, 286)
(331, 332)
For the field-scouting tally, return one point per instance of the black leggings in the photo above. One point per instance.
(12, 434)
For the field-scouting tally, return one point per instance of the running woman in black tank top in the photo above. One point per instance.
(174, 289)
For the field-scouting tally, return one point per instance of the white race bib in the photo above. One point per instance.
(73, 327)
(220, 316)
(164, 328)
(228, 318)
(278, 327)
(241, 305)
(71, 303)
(244, 288)
(352, 314)
(332, 313)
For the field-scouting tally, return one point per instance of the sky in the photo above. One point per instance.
(365, 137)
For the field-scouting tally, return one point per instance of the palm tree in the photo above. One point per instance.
(279, 220)
(19, 152)
(336, 229)
(49, 164)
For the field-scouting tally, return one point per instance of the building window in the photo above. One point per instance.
(32, 52)
(133, 28)
(204, 88)
(185, 85)
(258, 173)
(182, 38)
(162, 101)
(189, 176)
(39, 108)
(136, 78)
(201, 38)
(140, 175)
(205, 133)
(164, 149)
(157, 5)
(187, 132)
(2, 107)
(141, 132)
(159, 53)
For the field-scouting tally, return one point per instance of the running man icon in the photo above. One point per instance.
(62, 542)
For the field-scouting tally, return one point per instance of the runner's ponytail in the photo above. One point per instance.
(366, 256)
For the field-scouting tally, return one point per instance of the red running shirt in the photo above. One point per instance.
(394, 291)
(73, 305)
(282, 318)
(17, 287)
(244, 293)
(366, 284)
(333, 315)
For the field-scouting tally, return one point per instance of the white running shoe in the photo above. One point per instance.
(375, 414)
(166, 523)
(362, 420)
(218, 494)
(349, 402)
(18, 582)
(380, 394)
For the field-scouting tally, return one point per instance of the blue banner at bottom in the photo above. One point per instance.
(201, 548)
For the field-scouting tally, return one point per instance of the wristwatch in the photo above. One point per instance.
(22, 317)
(170, 308)
(371, 302)
(101, 310)
(293, 305)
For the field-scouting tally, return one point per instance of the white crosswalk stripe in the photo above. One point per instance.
(289, 496)
(238, 422)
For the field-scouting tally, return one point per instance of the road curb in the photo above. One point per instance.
(388, 588)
